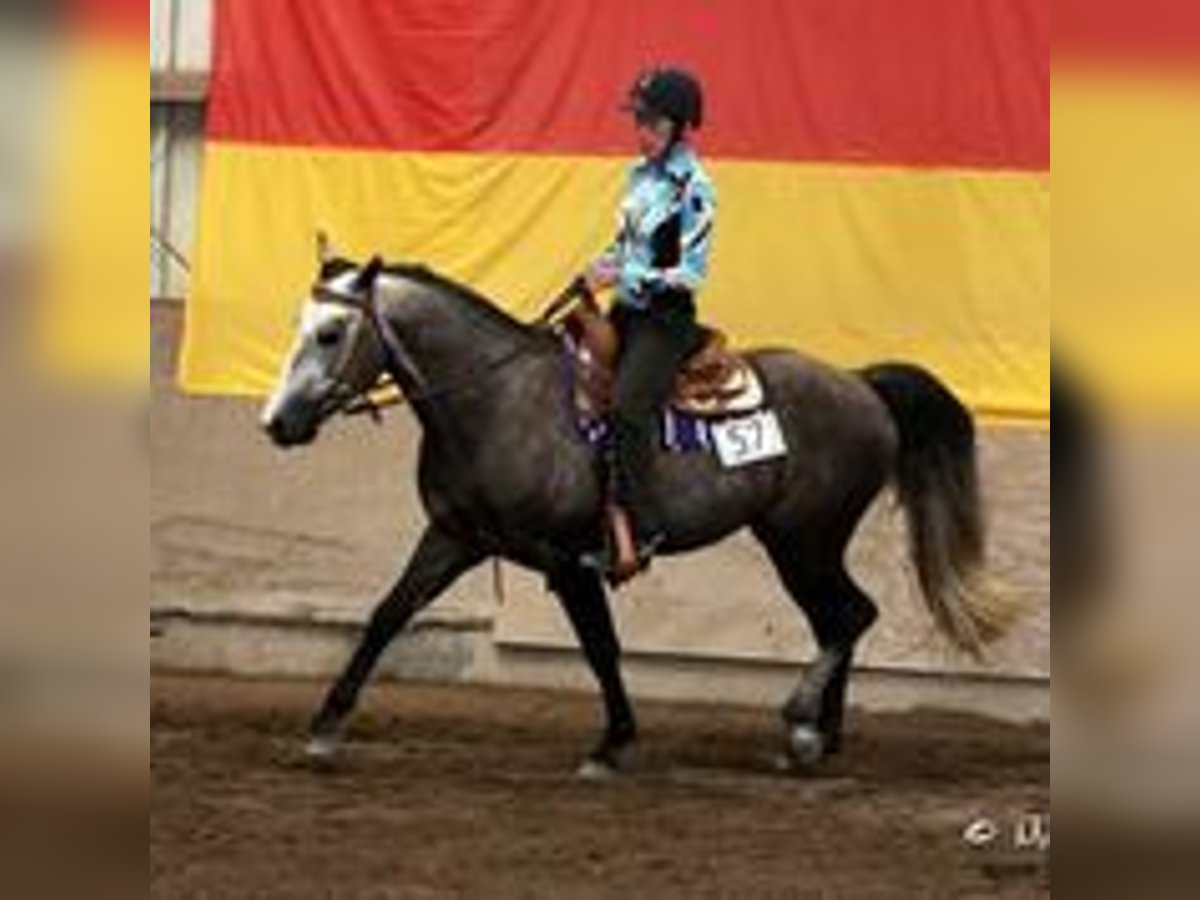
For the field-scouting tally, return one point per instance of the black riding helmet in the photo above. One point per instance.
(670, 93)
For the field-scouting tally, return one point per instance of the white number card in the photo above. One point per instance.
(748, 440)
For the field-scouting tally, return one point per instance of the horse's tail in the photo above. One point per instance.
(937, 480)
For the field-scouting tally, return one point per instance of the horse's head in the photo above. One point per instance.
(337, 355)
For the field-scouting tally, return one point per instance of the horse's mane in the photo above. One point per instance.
(423, 275)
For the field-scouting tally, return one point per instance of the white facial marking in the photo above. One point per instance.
(313, 316)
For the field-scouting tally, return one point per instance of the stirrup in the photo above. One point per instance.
(624, 555)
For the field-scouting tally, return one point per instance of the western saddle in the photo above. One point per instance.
(713, 381)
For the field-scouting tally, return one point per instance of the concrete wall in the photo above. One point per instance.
(180, 35)
(180, 55)
(176, 150)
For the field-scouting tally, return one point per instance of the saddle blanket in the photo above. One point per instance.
(737, 439)
(681, 433)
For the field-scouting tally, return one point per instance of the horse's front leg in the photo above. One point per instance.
(583, 598)
(437, 562)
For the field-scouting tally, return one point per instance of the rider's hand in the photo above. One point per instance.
(601, 274)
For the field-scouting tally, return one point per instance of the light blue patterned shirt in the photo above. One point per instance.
(665, 227)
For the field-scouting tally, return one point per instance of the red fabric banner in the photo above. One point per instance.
(960, 83)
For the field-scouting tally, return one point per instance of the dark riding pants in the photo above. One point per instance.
(654, 343)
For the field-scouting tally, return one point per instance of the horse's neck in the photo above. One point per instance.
(463, 353)
(444, 331)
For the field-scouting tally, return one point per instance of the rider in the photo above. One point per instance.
(657, 262)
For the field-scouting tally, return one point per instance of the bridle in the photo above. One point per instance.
(346, 397)
(399, 370)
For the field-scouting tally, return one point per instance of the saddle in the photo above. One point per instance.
(713, 381)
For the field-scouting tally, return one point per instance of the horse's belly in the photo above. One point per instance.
(701, 502)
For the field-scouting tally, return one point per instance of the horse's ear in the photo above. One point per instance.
(367, 277)
(325, 254)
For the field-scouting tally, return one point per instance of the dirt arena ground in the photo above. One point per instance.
(469, 791)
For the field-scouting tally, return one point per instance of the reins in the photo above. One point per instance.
(363, 403)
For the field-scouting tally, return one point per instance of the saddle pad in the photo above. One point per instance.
(681, 433)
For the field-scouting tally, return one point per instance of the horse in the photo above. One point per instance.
(503, 472)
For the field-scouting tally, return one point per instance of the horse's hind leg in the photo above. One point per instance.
(438, 560)
(839, 613)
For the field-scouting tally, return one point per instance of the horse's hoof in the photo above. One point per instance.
(322, 748)
(597, 770)
(806, 746)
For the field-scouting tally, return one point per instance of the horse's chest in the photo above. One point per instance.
(519, 486)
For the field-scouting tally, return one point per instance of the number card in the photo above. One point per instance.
(751, 439)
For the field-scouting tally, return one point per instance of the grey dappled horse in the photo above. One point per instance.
(504, 473)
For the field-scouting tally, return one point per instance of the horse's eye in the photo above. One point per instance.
(329, 336)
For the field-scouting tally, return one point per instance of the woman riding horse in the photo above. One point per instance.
(657, 263)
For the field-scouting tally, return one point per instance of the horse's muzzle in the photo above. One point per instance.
(286, 433)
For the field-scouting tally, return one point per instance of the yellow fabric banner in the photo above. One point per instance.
(846, 262)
